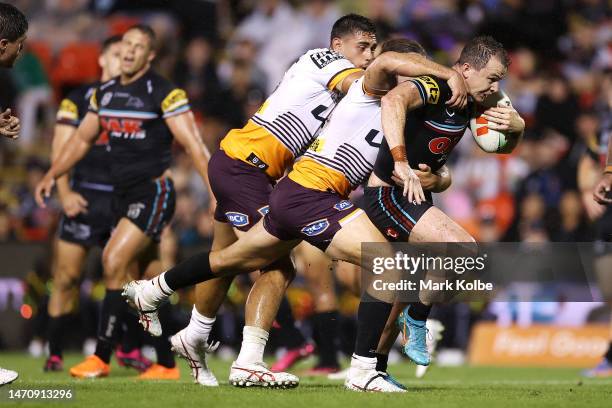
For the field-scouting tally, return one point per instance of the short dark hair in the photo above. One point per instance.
(146, 30)
(479, 50)
(352, 23)
(402, 45)
(110, 41)
(13, 23)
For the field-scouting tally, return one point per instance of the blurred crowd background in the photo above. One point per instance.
(230, 54)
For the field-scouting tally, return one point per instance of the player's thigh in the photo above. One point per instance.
(124, 247)
(317, 269)
(224, 235)
(256, 249)
(69, 259)
(348, 275)
(346, 244)
(436, 226)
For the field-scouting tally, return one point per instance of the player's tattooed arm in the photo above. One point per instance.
(394, 108)
(72, 202)
(74, 150)
(185, 129)
(382, 73)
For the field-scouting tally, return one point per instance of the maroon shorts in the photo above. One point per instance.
(242, 191)
(297, 212)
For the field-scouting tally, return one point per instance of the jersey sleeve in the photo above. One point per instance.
(432, 89)
(69, 112)
(93, 101)
(173, 100)
(328, 68)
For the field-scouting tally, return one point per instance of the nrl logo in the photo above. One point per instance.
(134, 210)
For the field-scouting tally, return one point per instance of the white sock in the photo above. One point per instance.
(199, 327)
(157, 291)
(362, 363)
(254, 342)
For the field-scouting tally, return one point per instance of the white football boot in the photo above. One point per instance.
(258, 375)
(370, 380)
(7, 376)
(435, 328)
(147, 309)
(195, 354)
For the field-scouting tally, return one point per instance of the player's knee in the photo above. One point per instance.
(114, 265)
(286, 269)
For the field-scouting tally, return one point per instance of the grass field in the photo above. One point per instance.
(442, 387)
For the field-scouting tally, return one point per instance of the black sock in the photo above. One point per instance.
(193, 270)
(381, 362)
(371, 319)
(325, 333)
(132, 333)
(162, 343)
(288, 335)
(609, 353)
(109, 329)
(419, 311)
(55, 333)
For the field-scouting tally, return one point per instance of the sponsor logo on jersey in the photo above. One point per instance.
(135, 102)
(324, 58)
(317, 145)
(123, 128)
(390, 232)
(257, 162)
(134, 210)
(343, 205)
(431, 88)
(237, 219)
(106, 99)
(315, 228)
(264, 210)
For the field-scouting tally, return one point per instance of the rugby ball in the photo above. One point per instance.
(489, 140)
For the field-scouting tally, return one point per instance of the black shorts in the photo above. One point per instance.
(392, 213)
(94, 227)
(242, 191)
(150, 206)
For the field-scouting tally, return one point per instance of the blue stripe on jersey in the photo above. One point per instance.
(182, 109)
(127, 114)
(446, 126)
(165, 205)
(399, 224)
(154, 205)
(421, 89)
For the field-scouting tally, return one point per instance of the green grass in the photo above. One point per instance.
(442, 387)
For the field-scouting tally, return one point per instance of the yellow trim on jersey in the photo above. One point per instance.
(309, 173)
(252, 139)
(432, 89)
(350, 217)
(174, 100)
(68, 110)
(340, 76)
(93, 101)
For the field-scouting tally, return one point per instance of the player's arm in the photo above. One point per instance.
(394, 107)
(185, 131)
(381, 74)
(587, 177)
(74, 150)
(436, 182)
(602, 194)
(72, 202)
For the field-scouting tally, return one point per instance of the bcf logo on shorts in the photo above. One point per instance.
(315, 228)
(237, 219)
(134, 210)
(343, 205)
